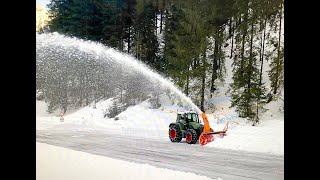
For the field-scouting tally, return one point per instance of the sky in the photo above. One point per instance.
(43, 2)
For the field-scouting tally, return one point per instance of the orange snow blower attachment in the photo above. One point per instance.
(207, 133)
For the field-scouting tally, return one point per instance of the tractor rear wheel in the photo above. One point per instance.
(191, 136)
(175, 135)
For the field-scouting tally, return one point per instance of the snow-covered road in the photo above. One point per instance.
(208, 161)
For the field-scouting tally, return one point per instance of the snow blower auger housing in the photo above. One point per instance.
(188, 126)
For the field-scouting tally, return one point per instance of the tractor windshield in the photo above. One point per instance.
(195, 118)
(192, 117)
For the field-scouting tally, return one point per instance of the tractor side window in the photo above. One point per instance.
(194, 118)
(189, 116)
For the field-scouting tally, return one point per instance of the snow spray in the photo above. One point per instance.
(57, 48)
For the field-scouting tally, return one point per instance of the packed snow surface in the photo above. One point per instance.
(55, 162)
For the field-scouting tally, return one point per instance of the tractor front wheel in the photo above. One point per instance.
(175, 135)
(191, 136)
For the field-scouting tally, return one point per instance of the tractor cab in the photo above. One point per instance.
(187, 117)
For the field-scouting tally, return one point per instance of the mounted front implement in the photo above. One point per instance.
(188, 126)
(207, 133)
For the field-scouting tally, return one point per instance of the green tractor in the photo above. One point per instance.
(186, 126)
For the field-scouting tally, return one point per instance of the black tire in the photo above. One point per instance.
(175, 135)
(191, 136)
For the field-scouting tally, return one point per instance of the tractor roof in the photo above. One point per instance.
(188, 112)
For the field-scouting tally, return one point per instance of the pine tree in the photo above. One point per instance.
(276, 72)
(79, 18)
(248, 93)
(145, 45)
(179, 49)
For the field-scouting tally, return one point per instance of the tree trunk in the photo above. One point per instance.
(214, 66)
(202, 91)
(230, 27)
(187, 85)
(244, 37)
(261, 68)
(161, 20)
(129, 37)
(242, 50)
(156, 21)
(137, 46)
(250, 69)
(203, 86)
(278, 60)
(121, 44)
(215, 63)
(262, 51)
(219, 58)
(232, 36)
(261, 44)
